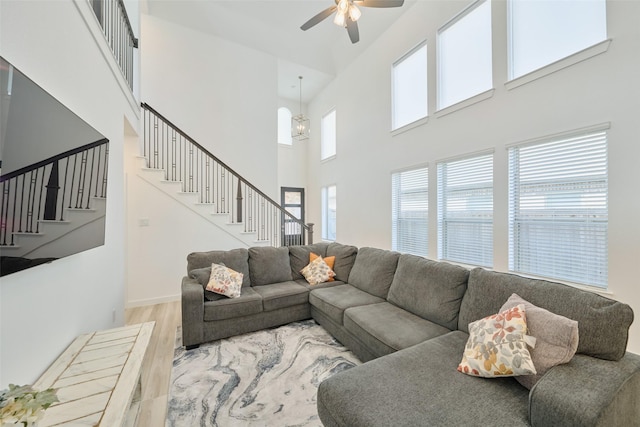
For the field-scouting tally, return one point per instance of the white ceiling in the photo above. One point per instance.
(273, 26)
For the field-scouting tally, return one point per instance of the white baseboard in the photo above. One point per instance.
(152, 301)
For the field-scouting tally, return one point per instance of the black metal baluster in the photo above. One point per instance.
(4, 210)
(88, 193)
(40, 196)
(53, 186)
(73, 180)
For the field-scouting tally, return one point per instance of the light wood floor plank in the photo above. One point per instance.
(156, 369)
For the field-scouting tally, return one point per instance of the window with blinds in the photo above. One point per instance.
(465, 210)
(558, 211)
(410, 211)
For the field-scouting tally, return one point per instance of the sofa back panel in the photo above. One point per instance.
(373, 271)
(299, 257)
(269, 265)
(345, 257)
(603, 324)
(235, 259)
(429, 289)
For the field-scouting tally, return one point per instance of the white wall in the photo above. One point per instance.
(604, 88)
(44, 308)
(292, 159)
(222, 94)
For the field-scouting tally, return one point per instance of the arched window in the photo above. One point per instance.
(284, 126)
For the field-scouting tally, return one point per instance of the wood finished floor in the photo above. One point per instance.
(156, 369)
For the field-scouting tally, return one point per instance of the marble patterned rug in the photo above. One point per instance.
(264, 378)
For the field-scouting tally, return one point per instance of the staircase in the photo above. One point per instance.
(177, 165)
(55, 207)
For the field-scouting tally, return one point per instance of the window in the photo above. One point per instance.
(284, 126)
(409, 86)
(465, 210)
(542, 32)
(329, 213)
(464, 55)
(409, 211)
(558, 208)
(328, 135)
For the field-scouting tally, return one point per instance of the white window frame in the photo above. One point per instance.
(465, 226)
(410, 211)
(419, 117)
(487, 83)
(284, 127)
(558, 228)
(329, 221)
(328, 135)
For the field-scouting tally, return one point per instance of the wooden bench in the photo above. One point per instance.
(98, 378)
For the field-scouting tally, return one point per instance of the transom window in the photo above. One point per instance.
(409, 87)
(542, 32)
(464, 55)
(410, 211)
(465, 210)
(558, 214)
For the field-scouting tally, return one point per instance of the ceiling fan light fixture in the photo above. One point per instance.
(340, 19)
(354, 13)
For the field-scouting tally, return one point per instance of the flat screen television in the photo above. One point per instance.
(53, 176)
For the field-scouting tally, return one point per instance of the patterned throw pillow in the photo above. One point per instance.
(317, 271)
(225, 281)
(497, 346)
(329, 260)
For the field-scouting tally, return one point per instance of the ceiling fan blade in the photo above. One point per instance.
(318, 18)
(379, 3)
(352, 29)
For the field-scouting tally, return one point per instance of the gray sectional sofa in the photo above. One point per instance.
(408, 318)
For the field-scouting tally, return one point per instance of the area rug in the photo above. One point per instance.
(265, 378)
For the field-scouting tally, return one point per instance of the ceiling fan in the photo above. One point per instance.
(348, 14)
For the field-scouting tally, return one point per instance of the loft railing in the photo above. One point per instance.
(116, 27)
(168, 148)
(43, 190)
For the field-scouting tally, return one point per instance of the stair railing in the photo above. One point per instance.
(168, 148)
(113, 18)
(43, 190)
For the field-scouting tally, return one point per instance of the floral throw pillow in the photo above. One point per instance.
(225, 281)
(497, 346)
(329, 260)
(317, 271)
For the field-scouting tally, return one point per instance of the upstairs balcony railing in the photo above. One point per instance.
(43, 190)
(116, 27)
(168, 148)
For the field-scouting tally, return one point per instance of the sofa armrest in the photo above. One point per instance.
(588, 392)
(192, 297)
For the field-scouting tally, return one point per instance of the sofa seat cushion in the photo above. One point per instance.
(333, 301)
(280, 295)
(419, 386)
(430, 289)
(249, 302)
(373, 270)
(303, 282)
(385, 328)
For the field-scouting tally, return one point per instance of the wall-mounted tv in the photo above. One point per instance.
(53, 176)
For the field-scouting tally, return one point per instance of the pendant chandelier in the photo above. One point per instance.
(300, 123)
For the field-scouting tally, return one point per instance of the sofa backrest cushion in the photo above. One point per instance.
(429, 289)
(269, 265)
(373, 271)
(235, 259)
(603, 324)
(299, 257)
(345, 257)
